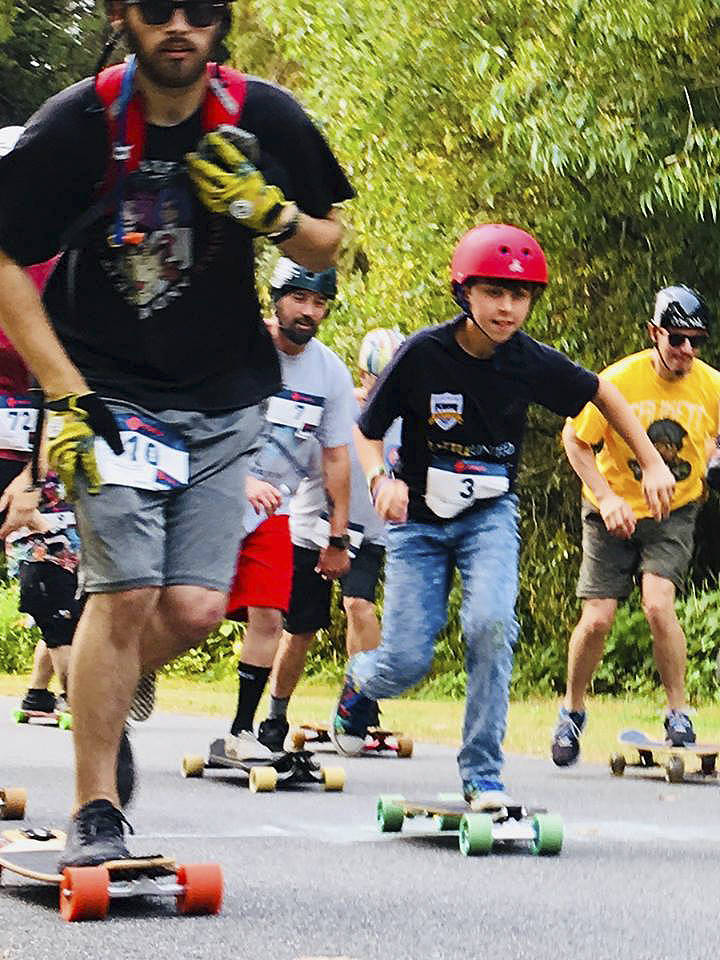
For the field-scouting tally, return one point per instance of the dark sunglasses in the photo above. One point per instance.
(697, 342)
(198, 13)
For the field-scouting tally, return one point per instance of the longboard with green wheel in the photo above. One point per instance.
(478, 833)
(86, 892)
(289, 766)
(640, 750)
(51, 718)
(12, 803)
(377, 741)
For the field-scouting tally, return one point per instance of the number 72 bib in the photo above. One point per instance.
(154, 455)
(454, 484)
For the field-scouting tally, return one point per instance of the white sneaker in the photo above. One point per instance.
(246, 746)
(488, 801)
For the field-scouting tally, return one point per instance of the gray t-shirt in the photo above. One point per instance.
(313, 410)
(362, 511)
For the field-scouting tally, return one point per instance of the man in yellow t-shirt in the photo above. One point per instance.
(675, 396)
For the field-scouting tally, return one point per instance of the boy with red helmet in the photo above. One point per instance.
(462, 390)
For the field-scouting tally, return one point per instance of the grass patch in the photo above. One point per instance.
(437, 721)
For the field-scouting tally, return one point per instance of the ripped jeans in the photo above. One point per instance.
(484, 546)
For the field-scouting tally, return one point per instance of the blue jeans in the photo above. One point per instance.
(484, 546)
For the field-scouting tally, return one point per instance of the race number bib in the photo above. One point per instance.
(154, 455)
(301, 411)
(454, 484)
(18, 418)
(321, 534)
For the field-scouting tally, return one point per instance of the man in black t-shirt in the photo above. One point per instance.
(462, 391)
(154, 361)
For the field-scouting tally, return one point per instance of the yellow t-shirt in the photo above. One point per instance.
(679, 416)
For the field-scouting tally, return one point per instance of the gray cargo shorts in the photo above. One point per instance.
(609, 565)
(188, 536)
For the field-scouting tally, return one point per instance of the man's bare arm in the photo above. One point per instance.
(316, 243)
(23, 318)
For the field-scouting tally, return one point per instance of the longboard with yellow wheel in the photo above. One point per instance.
(12, 803)
(287, 767)
(377, 741)
(86, 892)
(479, 833)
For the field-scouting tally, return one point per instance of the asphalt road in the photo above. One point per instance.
(308, 875)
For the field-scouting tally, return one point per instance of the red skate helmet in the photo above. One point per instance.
(497, 251)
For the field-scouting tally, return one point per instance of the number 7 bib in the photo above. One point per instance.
(154, 456)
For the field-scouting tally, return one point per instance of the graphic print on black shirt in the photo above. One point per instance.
(463, 418)
(174, 322)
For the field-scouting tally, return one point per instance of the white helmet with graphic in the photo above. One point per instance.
(377, 349)
(9, 136)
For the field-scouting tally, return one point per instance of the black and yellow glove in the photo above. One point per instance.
(227, 180)
(73, 423)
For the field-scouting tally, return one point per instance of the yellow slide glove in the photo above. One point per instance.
(74, 421)
(227, 181)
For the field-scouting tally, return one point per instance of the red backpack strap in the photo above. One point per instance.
(226, 97)
(129, 147)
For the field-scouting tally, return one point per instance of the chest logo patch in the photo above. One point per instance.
(446, 410)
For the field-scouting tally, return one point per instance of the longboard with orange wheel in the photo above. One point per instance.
(377, 741)
(288, 767)
(12, 803)
(86, 892)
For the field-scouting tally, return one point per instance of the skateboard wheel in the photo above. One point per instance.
(333, 778)
(675, 770)
(404, 747)
(84, 893)
(390, 813)
(548, 829)
(202, 888)
(65, 721)
(12, 803)
(617, 764)
(192, 765)
(263, 779)
(707, 765)
(448, 822)
(476, 837)
(19, 716)
(298, 739)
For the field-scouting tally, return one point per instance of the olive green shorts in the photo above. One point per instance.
(610, 565)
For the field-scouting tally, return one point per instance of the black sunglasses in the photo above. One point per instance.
(697, 342)
(198, 13)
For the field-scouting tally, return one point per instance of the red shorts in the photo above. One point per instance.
(263, 576)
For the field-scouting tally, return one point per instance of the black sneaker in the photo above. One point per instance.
(565, 747)
(374, 715)
(96, 834)
(125, 770)
(678, 729)
(144, 700)
(41, 700)
(272, 733)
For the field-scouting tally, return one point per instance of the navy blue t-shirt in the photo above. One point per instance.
(456, 407)
(174, 321)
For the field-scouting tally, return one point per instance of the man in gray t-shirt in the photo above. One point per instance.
(307, 435)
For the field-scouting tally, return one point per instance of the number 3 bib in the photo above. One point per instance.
(154, 455)
(454, 484)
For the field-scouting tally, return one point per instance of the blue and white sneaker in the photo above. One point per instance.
(350, 720)
(565, 746)
(486, 796)
(678, 728)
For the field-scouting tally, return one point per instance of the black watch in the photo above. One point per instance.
(340, 543)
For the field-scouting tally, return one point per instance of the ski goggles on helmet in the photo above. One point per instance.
(198, 13)
(697, 340)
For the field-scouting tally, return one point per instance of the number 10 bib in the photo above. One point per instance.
(154, 455)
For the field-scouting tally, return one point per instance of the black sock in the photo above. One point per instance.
(252, 681)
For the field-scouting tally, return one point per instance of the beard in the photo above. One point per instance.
(299, 337)
(168, 73)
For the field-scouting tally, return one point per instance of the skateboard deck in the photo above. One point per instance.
(377, 741)
(12, 803)
(478, 832)
(289, 766)
(85, 892)
(672, 759)
(51, 718)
